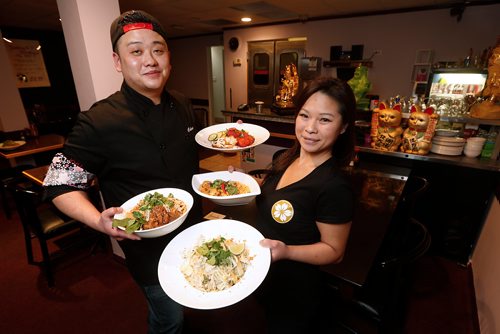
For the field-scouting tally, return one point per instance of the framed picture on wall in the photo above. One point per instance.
(421, 73)
(28, 64)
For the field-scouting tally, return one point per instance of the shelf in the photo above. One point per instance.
(463, 161)
(347, 63)
(470, 120)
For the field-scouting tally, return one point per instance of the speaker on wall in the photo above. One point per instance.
(335, 52)
(357, 52)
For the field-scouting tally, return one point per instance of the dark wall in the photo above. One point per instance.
(59, 102)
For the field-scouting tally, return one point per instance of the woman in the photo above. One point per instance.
(305, 208)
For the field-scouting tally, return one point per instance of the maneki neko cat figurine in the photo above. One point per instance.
(418, 136)
(386, 127)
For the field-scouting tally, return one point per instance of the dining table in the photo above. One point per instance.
(33, 146)
(377, 193)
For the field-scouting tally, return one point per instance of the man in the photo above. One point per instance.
(138, 139)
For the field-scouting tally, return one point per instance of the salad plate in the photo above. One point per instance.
(204, 137)
(172, 259)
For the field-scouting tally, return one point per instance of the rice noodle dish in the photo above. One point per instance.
(152, 211)
(215, 265)
(220, 187)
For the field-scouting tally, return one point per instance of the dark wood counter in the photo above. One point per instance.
(460, 160)
(266, 115)
(378, 194)
(282, 127)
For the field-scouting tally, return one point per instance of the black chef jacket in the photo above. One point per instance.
(133, 146)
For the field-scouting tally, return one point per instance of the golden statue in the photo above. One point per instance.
(489, 106)
(288, 88)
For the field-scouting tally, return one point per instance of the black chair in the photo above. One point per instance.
(380, 301)
(42, 221)
(8, 176)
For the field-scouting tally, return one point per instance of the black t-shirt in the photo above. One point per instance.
(133, 146)
(290, 214)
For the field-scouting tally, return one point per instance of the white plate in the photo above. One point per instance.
(241, 199)
(179, 289)
(19, 143)
(446, 150)
(447, 132)
(449, 140)
(258, 132)
(164, 229)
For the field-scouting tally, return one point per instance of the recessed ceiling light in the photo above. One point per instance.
(246, 19)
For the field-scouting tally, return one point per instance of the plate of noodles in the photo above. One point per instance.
(154, 213)
(225, 188)
(213, 264)
(232, 137)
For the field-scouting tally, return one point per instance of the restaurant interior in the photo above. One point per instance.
(421, 255)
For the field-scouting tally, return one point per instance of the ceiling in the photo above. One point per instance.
(183, 18)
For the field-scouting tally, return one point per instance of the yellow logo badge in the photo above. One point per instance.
(282, 211)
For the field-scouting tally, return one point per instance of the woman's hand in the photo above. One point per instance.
(106, 223)
(279, 250)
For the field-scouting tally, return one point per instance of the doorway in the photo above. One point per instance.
(216, 97)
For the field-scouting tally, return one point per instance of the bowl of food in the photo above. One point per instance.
(225, 188)
(11, 144)
(154, 213)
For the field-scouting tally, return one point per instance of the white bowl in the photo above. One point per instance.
(241, 199)
(475, 142)
(471, 153)
(164, 229)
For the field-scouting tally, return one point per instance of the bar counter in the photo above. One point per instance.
(377, 195)
(457, 202)
(282, 127)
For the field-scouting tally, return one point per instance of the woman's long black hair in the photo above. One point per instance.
(343, 149)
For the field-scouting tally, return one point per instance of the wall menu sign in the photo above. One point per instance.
(27, 61)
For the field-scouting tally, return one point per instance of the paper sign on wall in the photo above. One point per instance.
(27, 61)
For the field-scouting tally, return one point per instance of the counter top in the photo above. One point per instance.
(377, 196)
(266, 115)
(460, 160)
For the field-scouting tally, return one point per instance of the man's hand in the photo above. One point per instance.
(106, 223)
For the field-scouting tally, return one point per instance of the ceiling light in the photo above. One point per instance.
(7, 40)
(246, 19)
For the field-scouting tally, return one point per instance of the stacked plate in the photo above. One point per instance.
(448, 145)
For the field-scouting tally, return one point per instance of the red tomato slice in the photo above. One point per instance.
(233, 132)
(246, 140)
